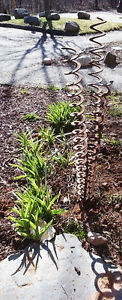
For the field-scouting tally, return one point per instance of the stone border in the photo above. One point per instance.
(37, 29)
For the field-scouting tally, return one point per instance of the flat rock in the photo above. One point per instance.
(83, 15)
(31, 20)
(71, 27)
(20, 13)
(96, 239)
(57, 270)
(5, 17)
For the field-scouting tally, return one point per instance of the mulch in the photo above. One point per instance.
(102, 214)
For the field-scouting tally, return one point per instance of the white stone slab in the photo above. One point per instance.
(59, 270)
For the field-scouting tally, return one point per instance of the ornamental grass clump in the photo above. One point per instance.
(34, 208)
(59, 116)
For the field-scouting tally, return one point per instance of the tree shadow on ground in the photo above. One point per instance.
(32, 253)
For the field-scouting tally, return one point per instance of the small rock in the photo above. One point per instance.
(85, 60)
(53, 16)
(20, 13)
(96, 239)
(5, 17)
(110, 60)
(42, 14)
(47, 61)
(83, 15)
(71, 27)
(31, 20)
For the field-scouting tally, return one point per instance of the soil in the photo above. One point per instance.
(102, 214)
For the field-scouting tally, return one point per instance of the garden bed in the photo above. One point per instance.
(103, 213)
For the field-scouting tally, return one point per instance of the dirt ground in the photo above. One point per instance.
(102, 214)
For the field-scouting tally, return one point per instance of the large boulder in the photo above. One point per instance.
(110, 60)
(71, 27)
(53, 16)
(20, 13)
(5, 17)
(31, 20)
(83, 15)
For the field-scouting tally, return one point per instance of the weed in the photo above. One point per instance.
(75, 228)
(112, 142)
(53, 88)
(116, 198)
(34, 210)
(59, 116)
(25, 91)
(31, 117)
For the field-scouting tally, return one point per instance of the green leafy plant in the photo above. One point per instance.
(64, 161)
(47, 135)
(75, 228)
(31, 117)
(25, 91)
(117, 198)
(59, 116)
(33, 162)
(112, 142)
(53, 88)
(34, 208)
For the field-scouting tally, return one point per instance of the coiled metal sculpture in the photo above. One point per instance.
(87, 133)
(80, 132)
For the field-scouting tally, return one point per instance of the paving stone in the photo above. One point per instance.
(57, 270)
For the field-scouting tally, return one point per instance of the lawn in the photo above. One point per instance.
(60, 24)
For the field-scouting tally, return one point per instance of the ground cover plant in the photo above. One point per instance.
(102, 214)
(60, 24)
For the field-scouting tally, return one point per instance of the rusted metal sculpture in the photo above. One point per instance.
(87, 133)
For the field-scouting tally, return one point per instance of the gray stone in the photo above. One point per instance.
(42, 14)
(96, 239)
(57, 270)
(110, 60)
(83, 15)
(5, 17)
(53, 16)
(47, 61)
(31, 20)
(71, 27)
(84, 60)
(20, 13)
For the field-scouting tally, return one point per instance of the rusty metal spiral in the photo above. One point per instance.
(80, 132)
(87, 133)
(99, 106)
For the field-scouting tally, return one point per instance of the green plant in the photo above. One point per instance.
(64, 161)
(117, 198)
(53, 88)
(47, 135)
(33, 163)
(112, 142)
(34, 210)
(75, 228)
(25, 91)
(60, 117)
(31, 117)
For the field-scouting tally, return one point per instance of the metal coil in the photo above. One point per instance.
(80, 132)
(99, 106)
(87, 134)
